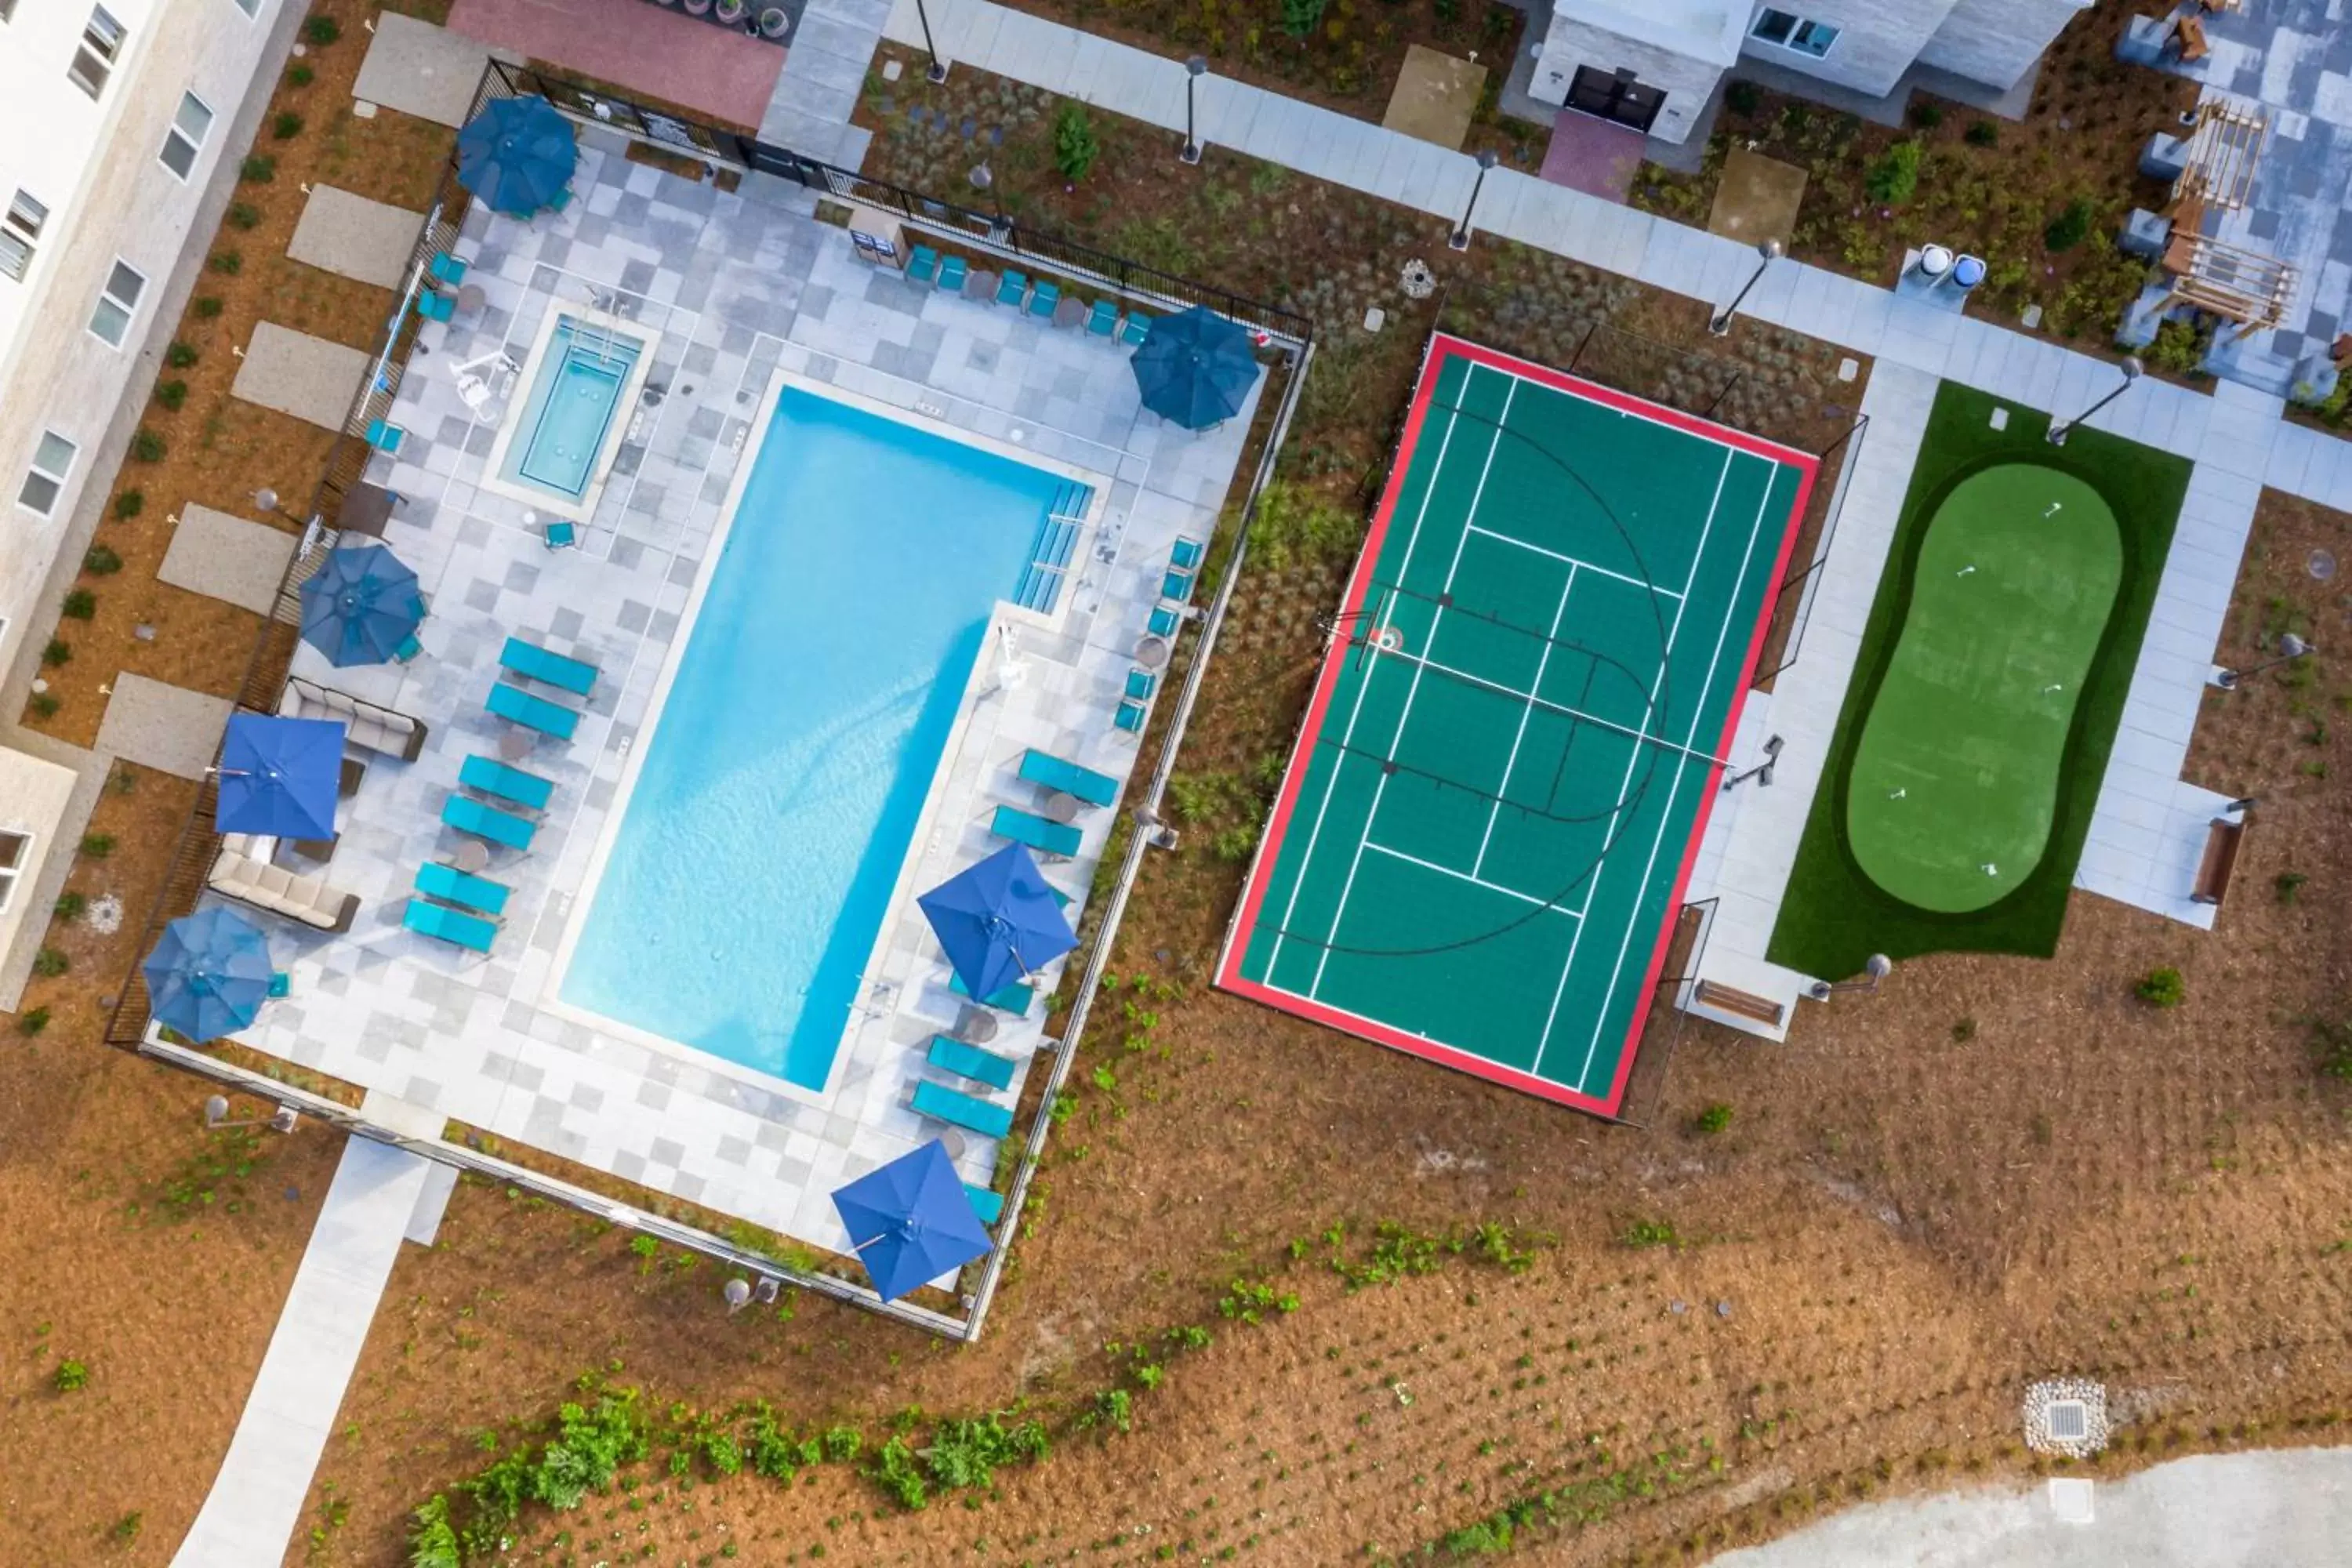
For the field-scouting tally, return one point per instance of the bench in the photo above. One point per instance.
(2188, 33)
(2221, 859)
(1745, 1003)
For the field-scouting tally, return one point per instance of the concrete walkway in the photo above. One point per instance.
(2288, 1509)
(256, 1501)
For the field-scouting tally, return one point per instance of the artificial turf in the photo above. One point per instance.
(1834, 915)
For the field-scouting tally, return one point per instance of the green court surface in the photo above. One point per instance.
(1517, 730)
(1955, 778)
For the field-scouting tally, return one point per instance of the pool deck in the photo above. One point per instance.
(741, 286)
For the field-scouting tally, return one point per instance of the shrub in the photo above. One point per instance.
(70, 907)
(97, 846)
(127, 505)
(1236, 844)
(2162, 988)
(57, 653)
(302, 75)
(2289, 884)
(148, 446)
(172, 394)
(1927, 114)
(1714, 1118)
(896, 1473)
(126, 1528)
(2069, 228)
(243, 215)
(285, 126)
(841, 1444)
(1981, 134)
(1743, 99)
(71, 1377)
(1649, 1233)
(46, 704)
(180, 355)
(228, 263)
(101, 561)
(2331, 1044)
(1301, 18)
(322, 30)
(1894, 179)
(1074, 147)
(1293, 523)
(257, 170)
(80, 606)
(2178, 348)
(34, 1022)
(966, 1453)
(50, 963)
(433, 1543)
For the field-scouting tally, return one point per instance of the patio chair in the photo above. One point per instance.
(1012, 288)
(1056, 772)
(951, 274)
(434, 306)
(1141, 684)
(1163, 621)
(447, 268)
(1102, 321)
(1131, 717)
(967, 1061)
(281, 986)
(535, 663)
(384, 436)
(1135, 328)
(409, 648)
(1035, 832)
(489, 776)
(517, 706)
(561, 536)
(448, 885)
(940, 1103)
(1185, 556)
(923, 265)
(1176, 585)
(1013, 998)
(986, 1202)
(1043, 298)
(439, 921)
(467, 814)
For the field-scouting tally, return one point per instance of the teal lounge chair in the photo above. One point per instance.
(957, 1108)
(1135, 328)
(492, 777)
(467, 814)
(923, 265)
(533, 662)
(987, 1203)
(1045, 768)
(1103, 320)
(451, 886)
(457, 926)
(1043, 298)
(1013, 998)
(970, 1061)
(517, 706)
(1046, 837)
(1012, 288)
(951, 274)
(1131, 717)
(1164, 621)
(1141, 684)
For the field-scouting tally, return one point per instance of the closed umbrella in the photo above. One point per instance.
(911, 1221)
(1195, 368)
(280, 776)
(517, 154)
(362, 606)
(209, 975)
(998, 921)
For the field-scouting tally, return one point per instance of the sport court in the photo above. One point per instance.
(1519, 726)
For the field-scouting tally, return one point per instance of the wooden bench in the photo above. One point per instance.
(2221, 859)
(1730, 999)
(2188, 34)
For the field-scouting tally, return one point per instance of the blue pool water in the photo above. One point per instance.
(569, 407)
(755, 857)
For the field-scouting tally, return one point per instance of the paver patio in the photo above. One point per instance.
(673, 56)
(294, 373)
(226, 557)
(355, 236)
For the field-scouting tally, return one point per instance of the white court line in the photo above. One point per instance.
(1665, 656)
(1674, 785)
(1404, 715)
(1543, 662)
(1640, 734)
(1354, 709)
(1573, 561)
(1475, 881)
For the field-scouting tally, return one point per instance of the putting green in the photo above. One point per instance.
(1954, 780)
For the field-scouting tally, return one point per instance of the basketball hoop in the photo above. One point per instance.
(1389, 639)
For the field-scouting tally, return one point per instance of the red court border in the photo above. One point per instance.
(1444, 347)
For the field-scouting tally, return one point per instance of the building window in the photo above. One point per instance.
(19, 231)
(117, 303)
(7, 10)
(186, 137)
(15, 853)
(251, 8)
(1796, 32)
(101, 41)
(52, 461)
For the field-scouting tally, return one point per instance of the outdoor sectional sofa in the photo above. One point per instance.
(376, 728)
(242, 871)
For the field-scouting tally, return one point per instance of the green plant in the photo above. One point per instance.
(257, 170)
(229, 263)
(244, 215)
(2289, 884)
(967, 1453)
(1713, 1118)
(1964, 1031)
(286, 125)
(322, 30)
(126, 1529)
(50, 963)
(101, 561)
(172, 394)
(840, 1445)
(2070, 227)
(80, 606)
(97, 846)
(1981, 134)
(34, 1022)
(1074, 147)
(1894, 179)
(57, 653)
(1927, 114)
(2162, 987)
(1301, 18)
(433, 1542)
(71, 1377)
(1743, 99)
(301, 76)
(127, 505)
(1645, 1233)
(148, 446)
(46, 703)
(1114, 1408)
(1248, 1301)
(897, 1473)
(180, 355)
(2331, 1046)
(70, 907)
(204, 307)
(1293, 523)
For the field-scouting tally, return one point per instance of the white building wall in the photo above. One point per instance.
(1997, 41)
(1686, 81)
(1877, 39)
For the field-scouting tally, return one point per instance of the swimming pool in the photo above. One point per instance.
(558, 440)
(773, 804)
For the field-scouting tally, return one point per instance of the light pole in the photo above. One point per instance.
(1878, 966)
(1194, 69)
(2290, 648)
(2133, 370)
(1720, 322)
(1460, 238)
(938, 71)
(265, 500)
(216, 1112)
(1762, 772)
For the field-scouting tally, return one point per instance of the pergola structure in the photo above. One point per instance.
(2244, 286)
(2218, 169)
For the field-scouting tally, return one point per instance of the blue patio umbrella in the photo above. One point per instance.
(912, 1221)
(1195, 368)
(361, 605)
(280, 776)
(209, 975)
(517, 154)
(999, 920)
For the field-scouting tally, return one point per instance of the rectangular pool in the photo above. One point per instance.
(556, 441)
(778, 790)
